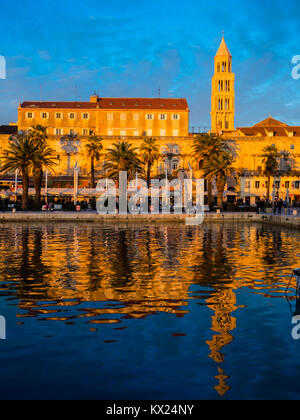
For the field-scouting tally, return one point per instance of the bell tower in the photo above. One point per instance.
(223, 94)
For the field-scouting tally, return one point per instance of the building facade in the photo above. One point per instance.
(109, 117)
(132, 119)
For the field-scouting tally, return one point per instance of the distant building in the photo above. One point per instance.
(223, 93)
(109, 117)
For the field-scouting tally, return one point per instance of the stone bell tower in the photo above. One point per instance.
(223, 94)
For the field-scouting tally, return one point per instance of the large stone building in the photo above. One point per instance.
(109, 117)
(167, 120)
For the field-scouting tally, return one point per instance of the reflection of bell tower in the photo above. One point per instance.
(223, 95)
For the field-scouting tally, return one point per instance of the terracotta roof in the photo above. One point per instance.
(270, 122)
(114, 103)
(223, 50)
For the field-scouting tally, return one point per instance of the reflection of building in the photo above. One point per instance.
(82, 273)
(223, 304)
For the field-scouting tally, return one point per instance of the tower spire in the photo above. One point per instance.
(223, 95)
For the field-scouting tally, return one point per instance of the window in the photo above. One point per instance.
(58, 131)
(123, 116)
(85, 132)
(110, 132)
(123, 133)
(136, 133)
(297, 185)
(72, 116)
(149, 133)
(175, 166)
(175, 133)
(257, 184)
(162, 116)
(287, 184)
(176, 117)
(136, 117)
(72, 132)
(162, 133)
(110, 116)
(30, 115)
(150, 117)
(85, 116)
(45, 115)
(58, 115)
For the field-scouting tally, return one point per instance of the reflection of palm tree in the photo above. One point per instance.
(213, 269)
(94, 269)
(121, 261)
(70, 145)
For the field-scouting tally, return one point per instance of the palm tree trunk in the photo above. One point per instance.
(220, 187)
(269, 186)
(220, 200)
(25, 179)
(38, 181)
(149, 174)
(209, 190)
(92, 173)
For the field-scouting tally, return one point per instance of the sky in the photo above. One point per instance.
(66, 50)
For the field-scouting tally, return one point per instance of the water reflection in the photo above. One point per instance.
(107, 275)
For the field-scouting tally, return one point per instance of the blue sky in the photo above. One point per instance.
(59, 50)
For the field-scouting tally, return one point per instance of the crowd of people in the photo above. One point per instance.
(277, 206)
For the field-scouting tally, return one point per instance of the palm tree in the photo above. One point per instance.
(205, 147)
(149, 154)
(70, 144)
(220, 166)
(270, 160)
(93, 148)
(38, 134)
(122, 156)
(24, 154)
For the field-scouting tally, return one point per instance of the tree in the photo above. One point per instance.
(23, 154)
(93, 148)
(205, 148)
(270, 160)
(38, 134)
(122, 156)
(70, 144)
(220, 167)
(149, 154)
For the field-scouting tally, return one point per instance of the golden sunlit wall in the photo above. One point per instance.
(106, 122)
